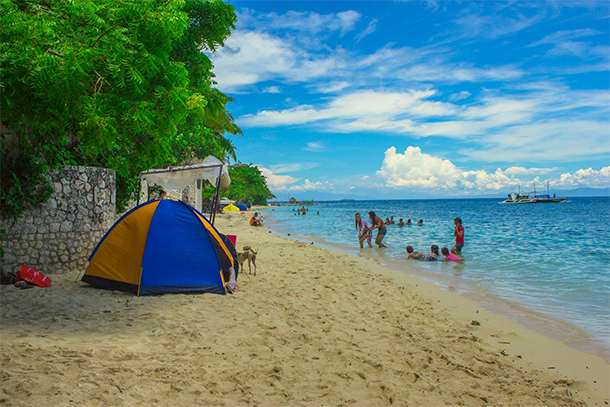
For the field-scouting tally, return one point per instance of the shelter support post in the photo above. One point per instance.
(216, 198)
(139, 188)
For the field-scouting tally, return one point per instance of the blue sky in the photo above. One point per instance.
(398, 100)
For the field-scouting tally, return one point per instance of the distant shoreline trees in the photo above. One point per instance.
(110, 83)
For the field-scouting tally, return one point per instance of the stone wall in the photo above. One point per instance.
(60, 236)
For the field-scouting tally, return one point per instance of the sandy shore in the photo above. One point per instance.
(315, 327)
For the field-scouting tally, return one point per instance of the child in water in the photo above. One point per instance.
(418, 255)
(449, 256)
(459, 236)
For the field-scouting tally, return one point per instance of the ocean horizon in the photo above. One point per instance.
(546, 267)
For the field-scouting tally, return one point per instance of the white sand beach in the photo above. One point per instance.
(315, 327)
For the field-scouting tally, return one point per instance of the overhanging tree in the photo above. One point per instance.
(112, 83)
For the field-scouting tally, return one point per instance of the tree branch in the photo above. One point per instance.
(104, 33)
(50, 51)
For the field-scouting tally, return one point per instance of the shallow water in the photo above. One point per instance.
(551, 258)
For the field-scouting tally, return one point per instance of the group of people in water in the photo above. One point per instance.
(365, 235)
(390, 221)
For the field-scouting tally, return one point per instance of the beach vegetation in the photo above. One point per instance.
(109, 83)
(247, 184)
(474, 322)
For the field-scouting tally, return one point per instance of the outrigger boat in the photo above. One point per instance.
(532, 198)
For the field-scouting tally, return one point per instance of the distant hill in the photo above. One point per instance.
(580, 192)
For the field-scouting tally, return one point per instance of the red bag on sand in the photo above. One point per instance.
(32, 276)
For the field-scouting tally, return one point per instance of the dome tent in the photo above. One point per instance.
(230, 208)
(159, 247)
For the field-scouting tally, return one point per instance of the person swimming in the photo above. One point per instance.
(420, 222)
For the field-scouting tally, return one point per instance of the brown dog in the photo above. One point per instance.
(250, 255)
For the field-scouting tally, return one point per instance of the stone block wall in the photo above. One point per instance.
(60, 236)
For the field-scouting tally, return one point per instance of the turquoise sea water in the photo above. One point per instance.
(546, 266)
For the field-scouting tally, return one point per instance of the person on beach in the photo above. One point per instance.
(400, 222)
(414, 255)
(387, 221)
(363, 231)
(381, 229)
(449, 256)
(391, 220)
(254, 221)
(459, 236)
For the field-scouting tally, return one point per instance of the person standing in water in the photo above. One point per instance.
(459, 236)
(380, 226)
(363, 231)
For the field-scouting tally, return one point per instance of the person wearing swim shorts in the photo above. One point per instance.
(459, 236)
(363, 231)
(381, 229)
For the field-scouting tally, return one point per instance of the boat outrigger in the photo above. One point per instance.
(532, 197)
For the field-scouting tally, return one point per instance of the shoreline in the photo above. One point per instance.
(543, 352)
(551, 327)
(315, 326)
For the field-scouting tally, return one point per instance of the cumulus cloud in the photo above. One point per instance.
(414, 169)
(276, 181)
(585, 177)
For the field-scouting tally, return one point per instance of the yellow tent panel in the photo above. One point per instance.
(231, 208)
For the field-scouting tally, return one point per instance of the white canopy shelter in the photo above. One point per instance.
(212, 169)
(181, 177)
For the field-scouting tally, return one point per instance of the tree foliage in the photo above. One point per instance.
(248, 183)
(114, 83)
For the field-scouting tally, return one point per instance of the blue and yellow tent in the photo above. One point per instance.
(160, 247)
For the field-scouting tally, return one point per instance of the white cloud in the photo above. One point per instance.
(311, 186)
(368, 30)
(272, 89)
(309, 22)
(563, 36)
(459, 96)
(315, 146)
(277, 181)
(416, 170)
(585, 178)
(369, 106)
(495, 26)
(528, 171)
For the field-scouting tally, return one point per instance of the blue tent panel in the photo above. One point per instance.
(242, 207)
(179, 254)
